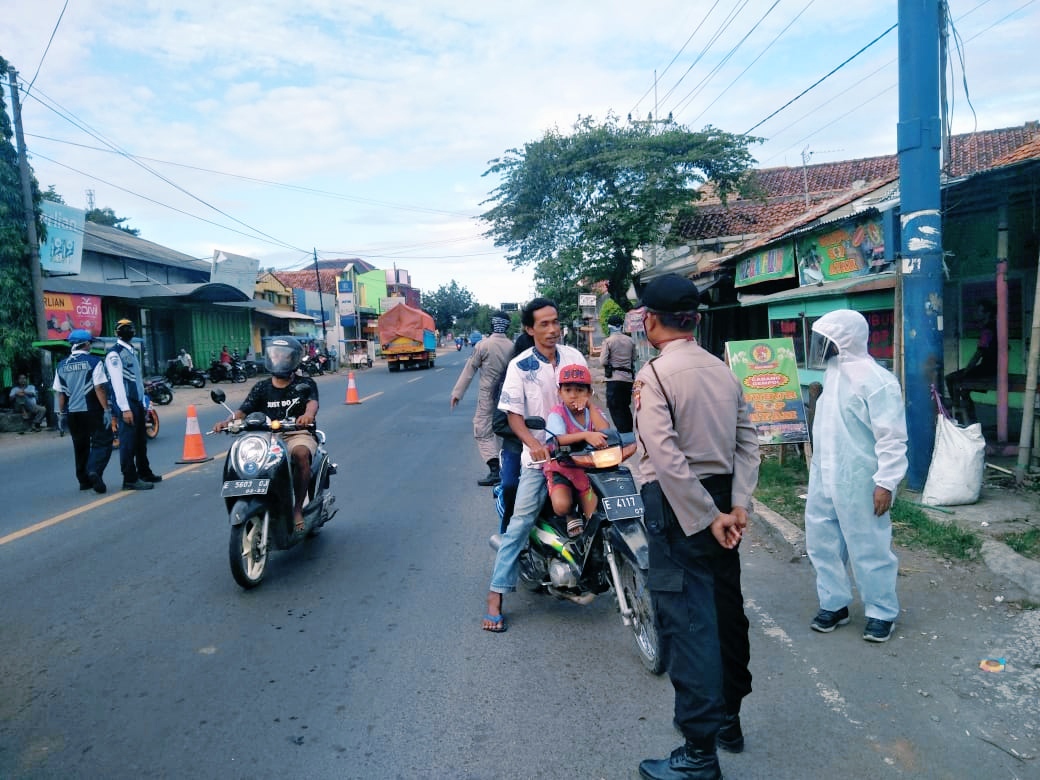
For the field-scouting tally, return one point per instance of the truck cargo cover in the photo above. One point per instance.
(403, 320)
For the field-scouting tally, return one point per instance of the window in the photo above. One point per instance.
(880, 341)
(790, 328)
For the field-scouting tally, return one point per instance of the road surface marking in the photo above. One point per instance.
(35, 527)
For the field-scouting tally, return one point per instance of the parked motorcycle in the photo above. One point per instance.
(179, 374)
(159, 390)
(248, 366)
(151, 422)
(611, 553)
(225, 372)
(258, 490)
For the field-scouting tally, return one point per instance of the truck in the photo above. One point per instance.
(407, 338)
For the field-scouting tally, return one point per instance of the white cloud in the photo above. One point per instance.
(405, 103)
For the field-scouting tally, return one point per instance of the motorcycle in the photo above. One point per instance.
(159, 390)
(313, 366)
(248, 366)
(258, 491)
(611, 552)
(151, 421)
(179, 374)
(225, 372)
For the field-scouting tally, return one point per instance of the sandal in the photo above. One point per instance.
(498, 624)
(575, 526)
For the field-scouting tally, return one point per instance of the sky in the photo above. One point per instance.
(364, 129)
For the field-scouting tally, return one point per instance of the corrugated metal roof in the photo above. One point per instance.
(106, 240)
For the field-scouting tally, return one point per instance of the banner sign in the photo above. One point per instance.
(345, 298)
(61, 252)
(856, 247)
(66, 312)
(775, 263)
(768, 372)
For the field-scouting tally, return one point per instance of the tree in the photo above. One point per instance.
(108, 217)
(447, 304)
(609, 309)
(17, 314)
(593, 198)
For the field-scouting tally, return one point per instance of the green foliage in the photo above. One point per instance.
(108, 217)
(17, 315)
(448, 304)
(52, 195)
(781, 484)
(590, 199)
(608, 310)
(1025, 543)
(912, 527)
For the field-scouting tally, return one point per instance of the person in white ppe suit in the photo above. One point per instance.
(859, 459)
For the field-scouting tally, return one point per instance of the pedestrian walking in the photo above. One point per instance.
(490, 357)
(618, 357)
(699, 466)
(859, 459)
(529, 390)
(81, 396)
(127, 383)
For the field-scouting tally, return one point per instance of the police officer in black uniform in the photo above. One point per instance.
(125, 376)
(699, 466)
(81, 393)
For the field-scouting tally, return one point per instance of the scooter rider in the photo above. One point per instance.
(274, 397)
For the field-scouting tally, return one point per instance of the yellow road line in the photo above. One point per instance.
(35, 527)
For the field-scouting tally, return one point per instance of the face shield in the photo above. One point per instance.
(821, 349)
(282, 357)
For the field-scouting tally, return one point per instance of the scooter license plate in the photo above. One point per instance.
(245, 487)
(622, 507)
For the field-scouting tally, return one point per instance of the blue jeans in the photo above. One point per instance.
(530, 495)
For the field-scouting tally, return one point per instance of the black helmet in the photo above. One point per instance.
(282, 356)
(125, 329)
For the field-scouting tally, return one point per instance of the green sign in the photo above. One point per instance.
(856, 247)
(775, 263)
(768, 371)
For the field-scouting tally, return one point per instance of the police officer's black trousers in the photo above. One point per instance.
(619, 403)
(695, 586)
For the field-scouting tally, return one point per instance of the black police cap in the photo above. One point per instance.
(670, 293)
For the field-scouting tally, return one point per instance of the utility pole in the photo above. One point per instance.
(30, 217)
(321, 303)
(918, 136)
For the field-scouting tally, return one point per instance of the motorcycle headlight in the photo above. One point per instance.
(253, 454)
(598, 459)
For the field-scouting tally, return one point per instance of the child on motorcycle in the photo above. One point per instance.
(574, 420)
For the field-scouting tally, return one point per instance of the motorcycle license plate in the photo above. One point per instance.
(622, 507)
(245, 487)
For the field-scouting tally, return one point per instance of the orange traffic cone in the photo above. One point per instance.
(352, 396)
(194, 450)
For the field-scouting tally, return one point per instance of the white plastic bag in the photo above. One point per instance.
(958, 460)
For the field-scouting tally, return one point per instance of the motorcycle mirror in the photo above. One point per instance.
(217, 396)
(534, 423)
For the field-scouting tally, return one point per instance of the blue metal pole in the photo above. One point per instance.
(919, 135)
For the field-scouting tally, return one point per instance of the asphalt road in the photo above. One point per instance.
(127, 651)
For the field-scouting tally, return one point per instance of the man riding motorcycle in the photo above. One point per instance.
(274, 397)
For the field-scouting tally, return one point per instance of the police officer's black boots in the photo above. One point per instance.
(493, 477)
(687, 762)
(731, 737)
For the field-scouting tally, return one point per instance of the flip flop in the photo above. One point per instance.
(499, 622)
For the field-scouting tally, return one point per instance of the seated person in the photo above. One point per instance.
(24, 401)
(573, 421)
(276, 395)
(982, 364)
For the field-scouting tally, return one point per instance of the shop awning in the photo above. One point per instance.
(858, 284)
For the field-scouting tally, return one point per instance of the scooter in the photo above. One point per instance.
(258, 490)
(313, 366)
(611, 552)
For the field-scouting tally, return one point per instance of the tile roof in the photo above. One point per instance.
(788, 188)
(305, 280)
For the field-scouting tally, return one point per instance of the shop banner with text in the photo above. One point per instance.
(61, 253)
(775, 263)
(66, 312)
(768, 371)
(856, 247)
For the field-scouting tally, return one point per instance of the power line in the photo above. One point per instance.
(267, 182)
(714, 71)
(741, 74)
(76, 122)
(820, 80)
(47, 48)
